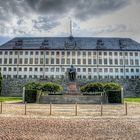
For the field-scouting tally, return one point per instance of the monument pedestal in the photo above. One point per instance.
(72, 88)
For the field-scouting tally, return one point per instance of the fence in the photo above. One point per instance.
(130, 109)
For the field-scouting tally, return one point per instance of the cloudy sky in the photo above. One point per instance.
(97, 18)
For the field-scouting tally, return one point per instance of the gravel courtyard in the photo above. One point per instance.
(37, 124)
(24, 128)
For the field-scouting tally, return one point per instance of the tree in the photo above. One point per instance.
(0, 83)
(33, 86)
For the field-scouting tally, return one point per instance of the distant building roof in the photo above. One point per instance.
(62, 43)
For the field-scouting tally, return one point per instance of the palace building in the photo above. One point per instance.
(51, 57)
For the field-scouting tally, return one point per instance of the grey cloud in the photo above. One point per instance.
(44, 23)
(81, 9)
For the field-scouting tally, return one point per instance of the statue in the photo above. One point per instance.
(72, 74)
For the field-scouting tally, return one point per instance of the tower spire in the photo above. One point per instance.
(70, 27)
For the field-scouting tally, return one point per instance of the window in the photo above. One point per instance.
(100, 61)
(15, 69)
(46, 69)
(0, 61)
(52, 53)
(79, 61)
(126, 61)
(62, 61)
(4, 69)
(0, 53)
(110, 70)
(73, 53)
(68, 61)
(110, 53)
(41, 61)
(120, 53)
(21, 53)
(136, 62)
(63, 53)
(116, 61)
(137, 70)
(11, 53)
(36, 60)
(95, 70)
(20, 69)
(89, 53)
(26, 53)
(94, 53)
(89, 69)
(41, 69)
(63, 69)
(121, 70)
(89, 61)
(25, 69)
(131, 54)
(57, 53)
(100, 70)
(47, 53)
(57, 69)
(116, 53)
(10, 61)
(121, 61)
(9, 69)
(47, 61)
(132, 70)
(94, 61)
(26, 61)
(31, 60)
(84, 61)
(5, 60)
(20, 61)
(100, 53)
(78, 53)
(36, 53)
(127, 70)
(105, 53)
(105, 70)
(36, 69)
(30, 69)
(84, 69)
(131, 62)
(116, 70)
(57, 61)
(84, 53)
(68, 53)
(126, 53)
(110, 62)
(6, 52)
(73, 61)
(105, 61)
(31, 53)
(136, 54)
(52, 60)
(52, 69)
(42, 53)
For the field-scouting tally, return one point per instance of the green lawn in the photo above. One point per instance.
(16, 99)
(132, 100)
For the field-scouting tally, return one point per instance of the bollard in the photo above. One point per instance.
(126, 108)
(76, 111)
(1, 108)
(101, 109)
(25, 109)
(50, 108)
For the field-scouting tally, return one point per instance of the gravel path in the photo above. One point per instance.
(24, 128)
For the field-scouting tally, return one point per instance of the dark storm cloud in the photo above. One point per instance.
(81, 9)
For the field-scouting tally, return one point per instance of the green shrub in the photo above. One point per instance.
(33, 86)
(112, 86)
(92, 87)
(30, 96)
(51, 87)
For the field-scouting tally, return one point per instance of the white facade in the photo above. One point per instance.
(89, 64)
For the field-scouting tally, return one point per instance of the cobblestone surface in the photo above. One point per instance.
(22, 128)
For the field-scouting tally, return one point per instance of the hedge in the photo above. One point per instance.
(30, 96)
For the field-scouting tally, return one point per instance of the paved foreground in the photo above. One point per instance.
(25, 128)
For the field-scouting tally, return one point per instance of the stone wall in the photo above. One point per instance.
(13, 87)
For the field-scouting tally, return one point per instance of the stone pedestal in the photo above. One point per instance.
(72, 88)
